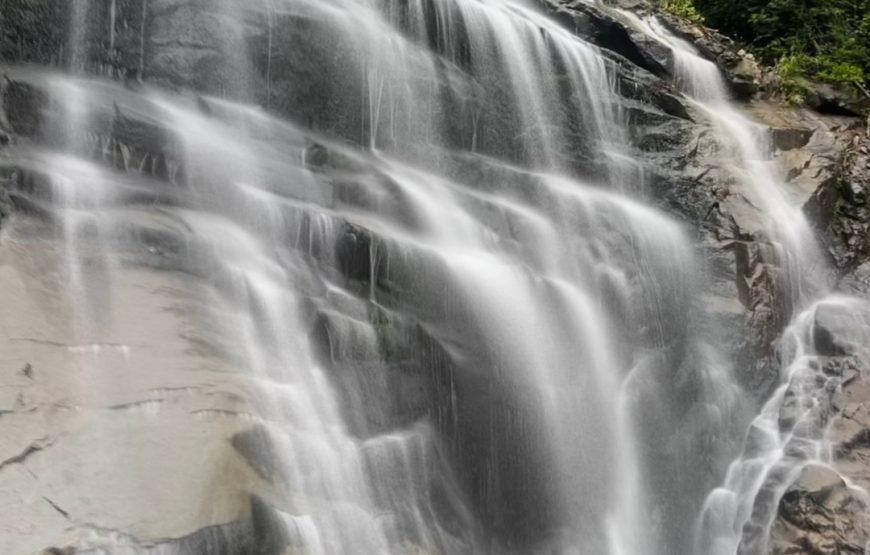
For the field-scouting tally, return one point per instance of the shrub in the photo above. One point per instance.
(684, 8)
(826, 40)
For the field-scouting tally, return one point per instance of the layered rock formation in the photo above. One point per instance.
(215, 453)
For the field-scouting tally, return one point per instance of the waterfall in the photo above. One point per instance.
(790, 432)
(399, 256)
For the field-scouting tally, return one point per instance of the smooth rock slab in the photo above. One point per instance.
(127, 429)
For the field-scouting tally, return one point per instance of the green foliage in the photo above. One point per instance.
(684, 8)
(838, 72)
(791, 71)
(827, 40)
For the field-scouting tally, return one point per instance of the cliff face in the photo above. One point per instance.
(823, 152)
(201, 440)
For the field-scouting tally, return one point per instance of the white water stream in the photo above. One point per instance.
(790, 432)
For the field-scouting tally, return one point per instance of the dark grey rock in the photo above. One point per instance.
(849, 228)
(828, 99)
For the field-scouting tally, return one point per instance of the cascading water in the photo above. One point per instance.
(790, 432)
(459, 324)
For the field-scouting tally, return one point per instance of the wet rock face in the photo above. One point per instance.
(826, 161)
(21, 107)
(851, 431)
(688, 176)
(31, 31)
(264, 533)
(678, 156)
(742, 72)
(603, 30)
(849, 228)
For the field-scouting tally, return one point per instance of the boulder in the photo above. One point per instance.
(850, 431)
(828, 99)
(819, 513)
(790, 138)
